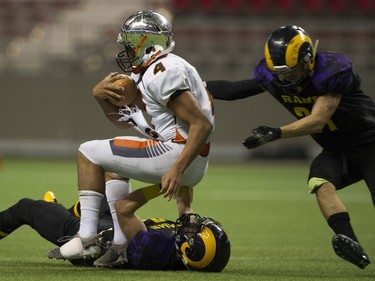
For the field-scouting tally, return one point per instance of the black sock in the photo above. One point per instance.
(340, 224)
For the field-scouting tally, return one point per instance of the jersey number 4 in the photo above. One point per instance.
(159, 67)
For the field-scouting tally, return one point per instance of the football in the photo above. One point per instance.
(129, 93)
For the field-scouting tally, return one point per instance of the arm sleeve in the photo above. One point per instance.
(233, 90)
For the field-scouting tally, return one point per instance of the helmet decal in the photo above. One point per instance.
(202, 244)
(297, 50)
(209, 242)
(268, 57)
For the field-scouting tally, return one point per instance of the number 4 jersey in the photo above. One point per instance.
(165, 78)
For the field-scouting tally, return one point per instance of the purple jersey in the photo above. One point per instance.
(353, 123)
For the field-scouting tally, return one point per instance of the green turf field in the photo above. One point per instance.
(275, 227)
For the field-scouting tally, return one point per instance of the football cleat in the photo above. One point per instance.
(350, 250)
(49, 196)
(55, 254)
(77, 248)
(114, 256)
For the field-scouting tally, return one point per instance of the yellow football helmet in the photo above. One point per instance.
(289, 53)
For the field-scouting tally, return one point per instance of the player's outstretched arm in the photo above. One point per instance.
(323, 109)
(233, 90)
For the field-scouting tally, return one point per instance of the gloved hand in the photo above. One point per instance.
(262, 135)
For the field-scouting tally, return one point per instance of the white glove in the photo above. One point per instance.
(134, 116)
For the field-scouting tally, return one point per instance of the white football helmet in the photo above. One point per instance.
(145, 35)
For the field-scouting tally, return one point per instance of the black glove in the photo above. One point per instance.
(262, 135)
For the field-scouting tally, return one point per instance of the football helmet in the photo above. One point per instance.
(145, 35)
(202, 243)
(289, 54)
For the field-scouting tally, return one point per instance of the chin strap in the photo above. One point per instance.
(132, 114)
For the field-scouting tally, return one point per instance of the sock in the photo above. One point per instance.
(116, 190)
(90, 206)
(340, 224)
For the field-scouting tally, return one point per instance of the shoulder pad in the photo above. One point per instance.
(261, 73)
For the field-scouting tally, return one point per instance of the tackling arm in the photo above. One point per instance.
(323, 109)
(233, 90)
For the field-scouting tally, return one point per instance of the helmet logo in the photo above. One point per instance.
(210, 249)
(201, 243)
(296, 50)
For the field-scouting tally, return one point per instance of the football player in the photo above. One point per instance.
(174, 155)
(323, 91)
(151, 249)
(57, 224)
